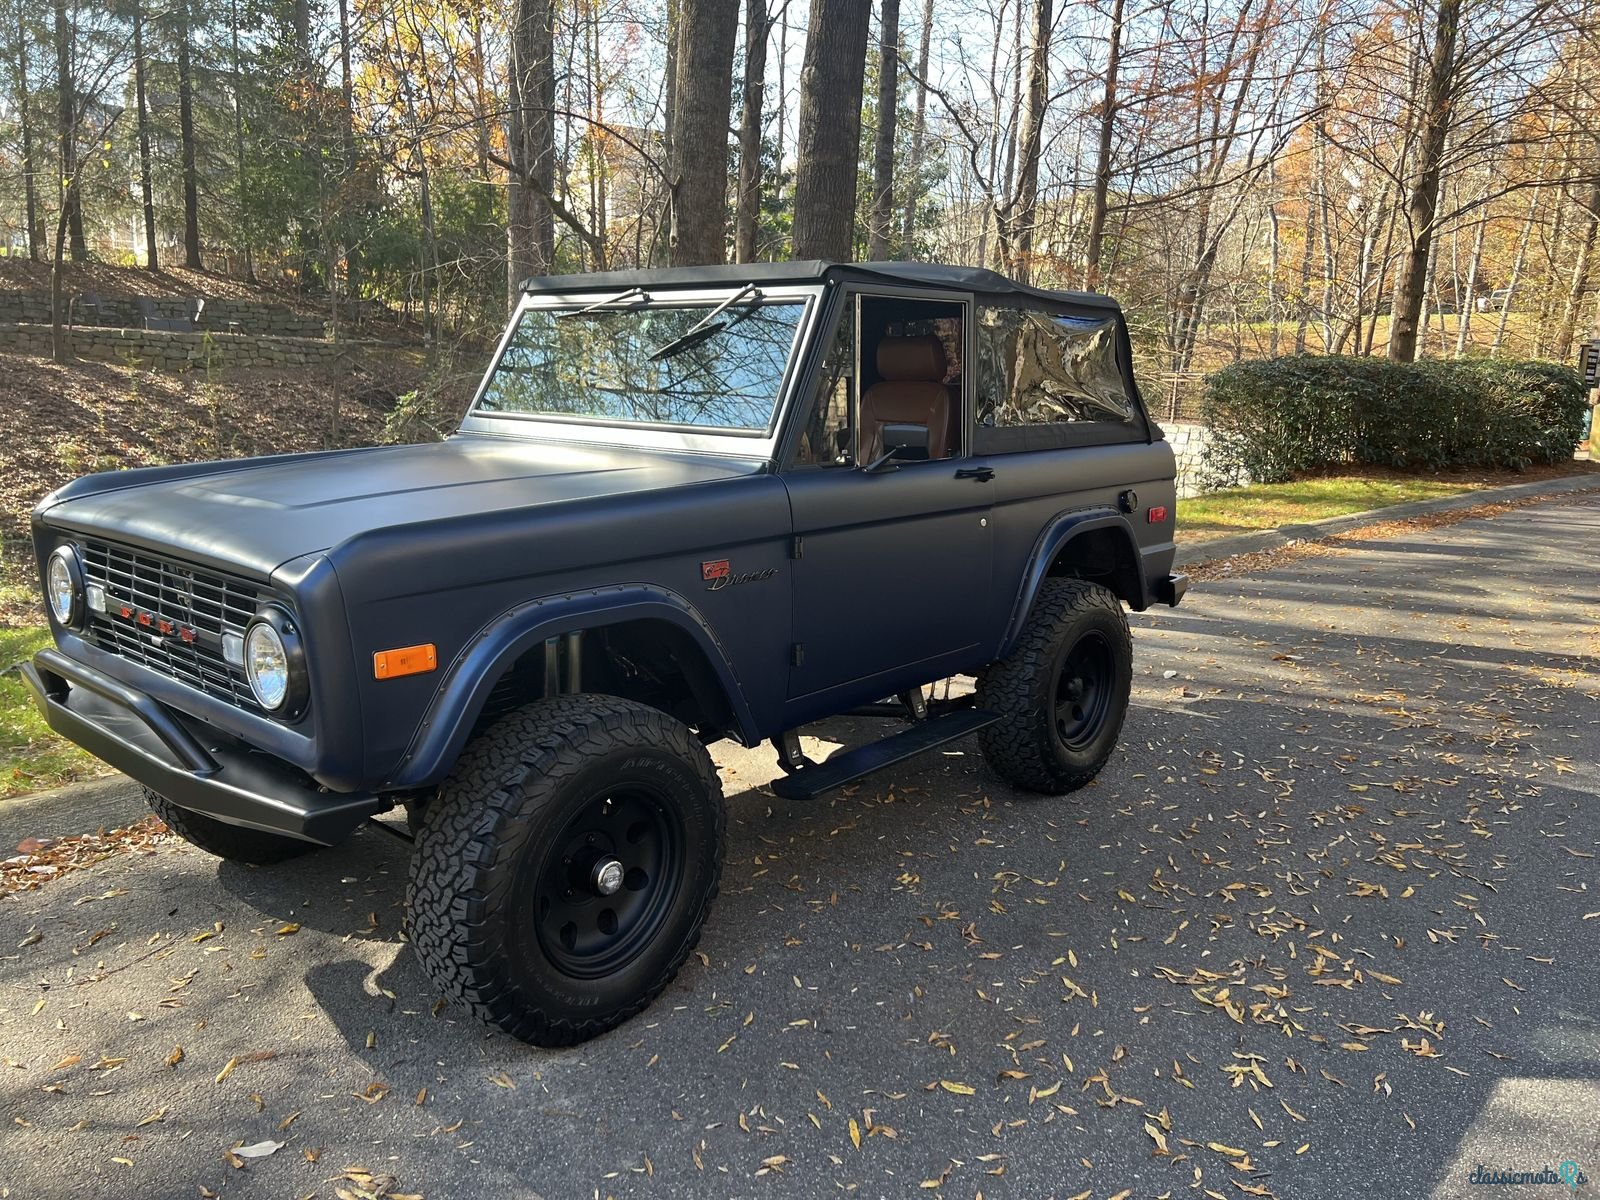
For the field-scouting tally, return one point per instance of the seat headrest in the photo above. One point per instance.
(904, 359)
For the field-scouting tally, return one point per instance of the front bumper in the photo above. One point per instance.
(193, 768)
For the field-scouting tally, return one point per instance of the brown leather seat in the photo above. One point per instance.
(912, 392)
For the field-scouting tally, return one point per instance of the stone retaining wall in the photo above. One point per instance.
(1188, 442)
(177, 351)
(218, 315)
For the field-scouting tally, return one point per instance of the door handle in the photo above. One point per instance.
(981, 474)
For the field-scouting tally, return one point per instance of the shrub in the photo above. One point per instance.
(1273, 419)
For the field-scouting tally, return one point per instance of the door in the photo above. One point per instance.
(892, 573)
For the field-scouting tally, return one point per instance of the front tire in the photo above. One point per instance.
(1062, 692)
(232, 842)
(563, 872)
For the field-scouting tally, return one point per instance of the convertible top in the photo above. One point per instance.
(932, 275)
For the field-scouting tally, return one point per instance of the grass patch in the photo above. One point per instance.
(31, 756)
(1268, 506)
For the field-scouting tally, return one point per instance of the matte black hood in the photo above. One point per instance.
(257, 514)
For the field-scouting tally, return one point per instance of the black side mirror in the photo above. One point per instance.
(901, 443)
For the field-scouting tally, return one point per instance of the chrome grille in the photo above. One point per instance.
(142, 590)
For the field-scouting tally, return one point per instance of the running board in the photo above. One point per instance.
(846, 766)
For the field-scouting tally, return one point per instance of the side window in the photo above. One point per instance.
(1047, 380)
(825, 437)
(891, 380)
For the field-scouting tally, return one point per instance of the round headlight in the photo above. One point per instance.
(64, 587)
(266, 665)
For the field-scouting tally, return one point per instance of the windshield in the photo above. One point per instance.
(715, 364)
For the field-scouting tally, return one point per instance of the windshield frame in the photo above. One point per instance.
(565, 427)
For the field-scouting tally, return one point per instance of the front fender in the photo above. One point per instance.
(1052, 541)
(466, 685)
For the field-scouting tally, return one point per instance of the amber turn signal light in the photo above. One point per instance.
(406, 660)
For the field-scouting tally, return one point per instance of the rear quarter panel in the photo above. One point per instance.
(1034, 488)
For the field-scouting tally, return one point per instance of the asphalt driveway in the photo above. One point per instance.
(1326, 927)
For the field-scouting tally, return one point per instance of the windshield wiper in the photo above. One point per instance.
(704, 328)
(606, 303)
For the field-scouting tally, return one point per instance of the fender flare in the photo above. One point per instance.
(1054, 538)
(465, 687)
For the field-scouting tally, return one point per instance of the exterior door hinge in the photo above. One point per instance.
(797, 655)
(797, 548)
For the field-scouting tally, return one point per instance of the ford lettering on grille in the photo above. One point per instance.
(170, 616)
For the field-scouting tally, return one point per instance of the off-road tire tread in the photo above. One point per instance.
(1018, 746)
(471, 835)
(232, 842)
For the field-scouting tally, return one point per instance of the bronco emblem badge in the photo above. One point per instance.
(718, 575)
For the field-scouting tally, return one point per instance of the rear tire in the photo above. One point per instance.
(232, 842)
(1062, 692)
(509, 912)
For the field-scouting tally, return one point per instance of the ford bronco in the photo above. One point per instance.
(685, 505)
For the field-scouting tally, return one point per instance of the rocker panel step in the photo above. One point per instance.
(846, 766)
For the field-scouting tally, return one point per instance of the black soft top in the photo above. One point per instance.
(933, 275)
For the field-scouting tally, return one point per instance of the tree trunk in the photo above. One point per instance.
(1102, 170)
(918, 133)
(1274, 262)
(1023, 215)
(1423, 205)
(191, 177)
(352, 250)
(481, 126)
(67, 134)
(530, 143)
(830, 129)
(30, 190)
(1517, 264)
(238, 142)
(1469, 301)
(1572, 307)
(142, 116)
(599, 167)
(58, 288)
(883, 148)
(699, 170)
(747, 207)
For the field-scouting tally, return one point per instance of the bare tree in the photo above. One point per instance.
(66, 131)
(152, 256)
(530, 145)
(831, 81)
(191, 174)
(699, 165)
(883, 147)
(35, 231)
(918, 133)
(747, 207)
(1103, 165)
(1018, 216)
(1435, 103)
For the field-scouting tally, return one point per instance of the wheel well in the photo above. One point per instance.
(652, 661)
(1105, 556)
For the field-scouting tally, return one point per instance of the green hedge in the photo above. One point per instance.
(1273, 419)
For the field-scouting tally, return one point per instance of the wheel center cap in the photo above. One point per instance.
(607, 877)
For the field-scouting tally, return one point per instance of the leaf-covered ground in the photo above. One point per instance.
(1325, 927)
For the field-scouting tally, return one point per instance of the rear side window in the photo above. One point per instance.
(1047, 380)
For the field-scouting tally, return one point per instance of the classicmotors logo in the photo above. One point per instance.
(1567, 1174)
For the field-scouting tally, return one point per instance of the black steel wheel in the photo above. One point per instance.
(1062, 692)
(1085, 681)
(563, 872)
(608, 881)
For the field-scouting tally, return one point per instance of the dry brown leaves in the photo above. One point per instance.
(52, 859)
